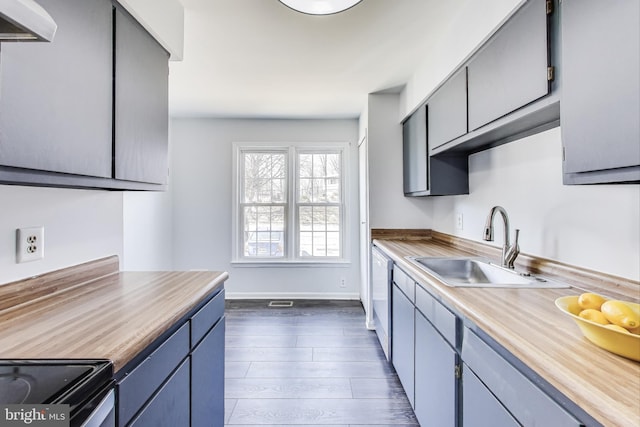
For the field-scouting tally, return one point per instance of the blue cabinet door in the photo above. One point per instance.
(402, 340)
(435, 378)
(480, 407)
(207, 379)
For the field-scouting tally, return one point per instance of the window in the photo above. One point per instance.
(290, 203)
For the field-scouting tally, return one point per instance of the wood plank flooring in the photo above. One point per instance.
(313, 364)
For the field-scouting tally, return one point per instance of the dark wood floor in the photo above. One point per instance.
(314, 364)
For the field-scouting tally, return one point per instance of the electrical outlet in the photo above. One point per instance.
(343, 283)
(459, 223)
(29, 244)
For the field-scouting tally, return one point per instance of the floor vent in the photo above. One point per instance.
(281, 304)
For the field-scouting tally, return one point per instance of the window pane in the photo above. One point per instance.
(333, 244)
(333, 218)
(306, 244)
(305, 165)
(305, 218)
(319, 178)
(264, 231)
(319, 244)
(319, 191)
(264, 177)
(333, 165)
(319, 234)
(319, 218)
(305, 186)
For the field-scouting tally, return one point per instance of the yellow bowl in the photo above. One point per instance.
(621, 343)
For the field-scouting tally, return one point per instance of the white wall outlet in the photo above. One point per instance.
(29, 244)
(343, 283)
(459, 223)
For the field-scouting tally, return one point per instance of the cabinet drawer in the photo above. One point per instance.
(206, 317)
(405, 283)
(141, 383)
(444, 320)
(524, 400)
(170, 406)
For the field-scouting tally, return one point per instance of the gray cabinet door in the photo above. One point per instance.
(207, 379)
(600, 100)
(511, 71)
(447, 110)
(402, 340)
(480, 408)
(435, 380)
(55, 98)
(141, 103)
(414, 152)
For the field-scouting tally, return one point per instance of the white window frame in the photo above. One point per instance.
(291, 255)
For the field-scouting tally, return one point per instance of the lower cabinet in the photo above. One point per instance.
(178, 380)
(480, 408)
(402, 353)
(435, 376)
(457, 376)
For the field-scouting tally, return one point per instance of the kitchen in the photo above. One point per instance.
(187, 227)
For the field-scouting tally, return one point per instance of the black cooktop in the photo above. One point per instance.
(69, 382)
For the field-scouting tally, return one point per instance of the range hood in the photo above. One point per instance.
(25, 20)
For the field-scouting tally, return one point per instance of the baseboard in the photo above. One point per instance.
(290, 295)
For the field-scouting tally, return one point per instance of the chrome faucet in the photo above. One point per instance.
(509, 252)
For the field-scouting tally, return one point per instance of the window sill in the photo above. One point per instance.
(290, 263)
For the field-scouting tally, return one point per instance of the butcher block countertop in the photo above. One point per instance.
(94, 311)
(527, 323)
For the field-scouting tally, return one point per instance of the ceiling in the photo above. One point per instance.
(260, 59)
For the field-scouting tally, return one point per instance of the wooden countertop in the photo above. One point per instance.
(113, 316)
(527, 323)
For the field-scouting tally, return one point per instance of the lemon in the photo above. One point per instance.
(635, 331)
(590, 300)
(619, 313)
(574, 308)
(594, 315)
(617, 328)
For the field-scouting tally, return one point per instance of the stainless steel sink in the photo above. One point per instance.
(479, 273)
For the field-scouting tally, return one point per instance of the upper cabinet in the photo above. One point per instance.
(503, 92)
(425, 175)
(448, 110)
(141, 103)
(600, 103)
(506, 90)
(90, 109)
(55, 98)
(510, 71)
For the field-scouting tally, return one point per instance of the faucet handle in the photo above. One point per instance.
(513, 251)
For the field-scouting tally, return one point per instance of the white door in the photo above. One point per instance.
(365, 235)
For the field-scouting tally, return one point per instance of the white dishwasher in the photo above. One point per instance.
(381, 267)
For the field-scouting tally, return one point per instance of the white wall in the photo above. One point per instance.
(79, 226)
(147, 231)
(593, 226)
(388, 208)
(202, 186)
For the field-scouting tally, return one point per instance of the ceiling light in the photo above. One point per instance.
(320, 7)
